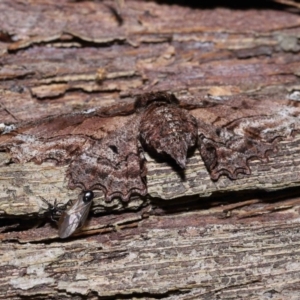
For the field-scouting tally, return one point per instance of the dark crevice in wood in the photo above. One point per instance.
(207, 4)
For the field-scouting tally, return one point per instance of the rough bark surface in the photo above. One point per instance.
(190, 238)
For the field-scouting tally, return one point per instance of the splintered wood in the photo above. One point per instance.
(206, 178)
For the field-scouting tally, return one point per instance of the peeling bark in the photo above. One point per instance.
(188, 239)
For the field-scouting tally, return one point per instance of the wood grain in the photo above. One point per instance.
(189, 239)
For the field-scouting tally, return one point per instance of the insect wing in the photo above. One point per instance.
(73, 218)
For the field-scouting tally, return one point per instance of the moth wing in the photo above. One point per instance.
(61, 137)
(235, 131)
(115, 164)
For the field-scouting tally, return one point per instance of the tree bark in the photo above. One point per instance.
(188, 239)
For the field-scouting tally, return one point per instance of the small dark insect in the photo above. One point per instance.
(54, 210)
(74, 217)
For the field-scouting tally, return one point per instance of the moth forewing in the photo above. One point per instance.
(74, 218)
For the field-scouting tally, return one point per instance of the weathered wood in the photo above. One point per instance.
(24, 184)
(178, 243)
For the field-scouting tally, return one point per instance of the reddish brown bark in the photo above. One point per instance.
(178, 243)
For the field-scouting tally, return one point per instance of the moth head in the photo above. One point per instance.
(146, 99)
